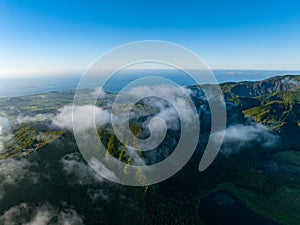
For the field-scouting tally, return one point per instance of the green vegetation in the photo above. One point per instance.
(292, 157)
(282, 206)
(36, 104)
(272, 192)
(118, 150)
(277, 110)
(27, 140)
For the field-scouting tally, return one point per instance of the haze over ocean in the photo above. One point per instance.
(19, 86)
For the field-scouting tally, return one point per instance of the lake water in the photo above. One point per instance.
(19, 86)
(222, 208)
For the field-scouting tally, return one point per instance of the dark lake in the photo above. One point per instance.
(223, 208)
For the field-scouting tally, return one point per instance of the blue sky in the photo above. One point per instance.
(55, 36)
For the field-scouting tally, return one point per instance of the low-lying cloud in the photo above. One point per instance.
(166, 111)
(160, 90)
(96, 194)
(26, 214)
(75, 166)
(12, 171)
(238, 137)
(288, 80)
(83, 174)
(35, 118)
(99, 93)
(64, 118)
(4, 124)
(5, 135)
(103, 170)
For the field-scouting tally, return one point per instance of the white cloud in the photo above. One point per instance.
(96, 194)
(103, 170)
(136, 159)
(288, 80)
(12, 171)
(4, 125)
(13, 214)
(83, 173)
(64, 118)
(69, 217)
(36, 118)
(65, 115)
(233, 73)
(159, 90)
(26, 214)
(75, 166)
(166, 111)
(4, 132)
(1, 146)
(42, 217)
(99, 93)
(240, 136)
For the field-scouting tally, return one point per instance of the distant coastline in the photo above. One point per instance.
(23, 85)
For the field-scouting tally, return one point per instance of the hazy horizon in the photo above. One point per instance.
(229, 72)
(149, 112)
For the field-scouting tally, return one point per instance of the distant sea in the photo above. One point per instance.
(30, 85)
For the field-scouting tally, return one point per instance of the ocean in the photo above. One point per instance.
(30, 85)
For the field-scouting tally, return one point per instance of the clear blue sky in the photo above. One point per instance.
(49, 36)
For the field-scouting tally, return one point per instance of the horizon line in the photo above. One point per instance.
(77, 72)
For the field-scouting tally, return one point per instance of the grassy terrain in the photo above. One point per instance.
(283, 203)
(27, 140)
(276, 110)
(273, 193)
(282, 206)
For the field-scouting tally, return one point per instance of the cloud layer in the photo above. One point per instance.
(238, 137)
(4, 132)
(73, 165)
(12, 171)
(43, 215)
(166, 111)
(288, 80)
(64, 118)
(36, 118)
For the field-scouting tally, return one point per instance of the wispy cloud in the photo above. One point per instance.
(46, 214)
(75, 166)
(12, 171)
(239, 137)
(64, 118)
(5, 134)
(35, 118)
(288, 80)
(99, 93)
(96, 194)
(166, 111)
